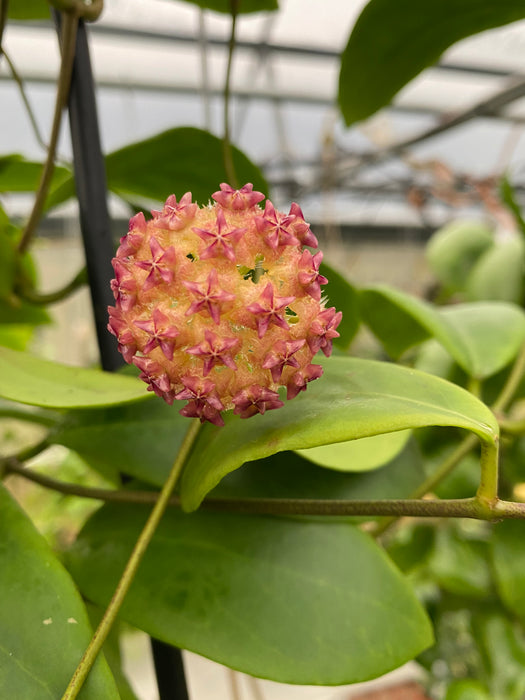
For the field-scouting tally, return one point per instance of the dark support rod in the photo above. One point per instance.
(90, 176)
(169, 670)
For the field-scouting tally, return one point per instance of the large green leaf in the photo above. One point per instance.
(28, 379)
(288, 475)
(394, 41)
(354, 399)
(343, 296)
(243, 6)
(20, 175)
(467, 689)
(358, 455)
(482, 337)
(176, 161)
(508, 556)
(294, 601)
(452, 251)
(498, 274)
(44, 623)
(140, 439)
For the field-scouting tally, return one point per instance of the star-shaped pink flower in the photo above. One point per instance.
(127, 345)
(309, 276)
(154, 375)
(220, 239)
(275, 227)
(175, 216)
(237, 200)
(162, 333)
(300, 228)
(131, 242)
(322, 331)
(160, 267)
(215, 351)
(281, 355)
(255, 399)
(300, 379)
(124, 286)
(210, 296)
(268, 310)
(203, 400)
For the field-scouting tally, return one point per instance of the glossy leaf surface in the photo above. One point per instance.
(482, 337)
(143, 169)
(294, 601)
(140, 439)
(354, 399)
(392, 42)
(358, 455)
(31, 380)
(44, 623)
(453, 250)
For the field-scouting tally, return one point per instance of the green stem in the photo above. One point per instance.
(229, 165)
(89, 11)
(126, 580)
(69, 32)
(488, 487)
(33, 297)
(454, 508)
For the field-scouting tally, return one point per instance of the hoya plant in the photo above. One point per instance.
(264, 496)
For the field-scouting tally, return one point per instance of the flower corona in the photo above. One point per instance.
(221, 305)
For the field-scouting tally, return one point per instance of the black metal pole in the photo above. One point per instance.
(169, 669)
(90, 177)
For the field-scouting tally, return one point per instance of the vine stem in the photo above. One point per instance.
(45, 299)
(134, 561)
(229, 165)
(69, 32)
(415, 507)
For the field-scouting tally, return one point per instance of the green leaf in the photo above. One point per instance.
(453, 250)
(45, 628)
(28, 379)
(18, 312)
(508, 556)
(20, 175)
(293, 601)
(358, 455)
(392, 42)
(460, 566)
(498, 274)
(8, 260)
(288, 475)
(354, 399)
(467, 689)
(509, 197)
(343, 296)
(482, 337)
(140, 439)
(176, 161)
(243, 6)
(16, 336)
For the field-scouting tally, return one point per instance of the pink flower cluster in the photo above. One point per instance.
(221, 305)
